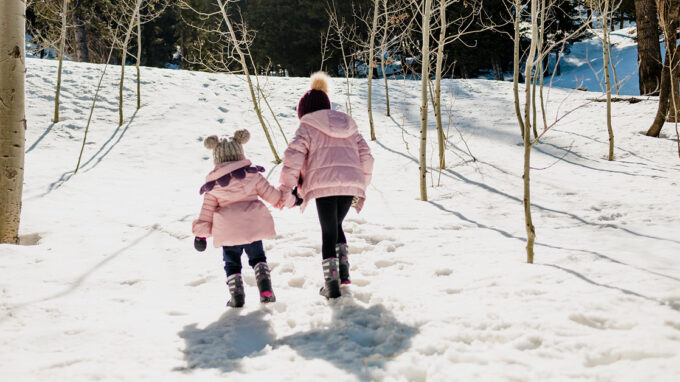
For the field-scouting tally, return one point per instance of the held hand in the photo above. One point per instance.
(200, 243)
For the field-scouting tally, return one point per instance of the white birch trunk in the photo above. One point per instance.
(62, 39)
(246, 72)
(371, 57)
(438, 85)
(516, 68)
(12, 117)
(139, 58)
(382, 58)
(605, 57)
(528, 222)
(425, 76)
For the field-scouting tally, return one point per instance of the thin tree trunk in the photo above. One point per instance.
(246, 72)
(371, 57)
(133, 20)
(605, 56)
(528, 221)
(441, 140)
(515, 65)
(425, 76)
(62, 40)
(12, 117)
(139, 58)
(649, 48)
(382, 59)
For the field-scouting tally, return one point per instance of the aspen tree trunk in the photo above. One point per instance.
(515, 65)
(438, 85)
(246, 72)
(541, 68)
(529, 225)
(605, 57)
(139, 58)
(371, 57)
(133, 20)
(62, 39)
(382, 60)
(12, 118)
(425, 74)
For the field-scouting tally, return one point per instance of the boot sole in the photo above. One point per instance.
(331, 290)
(237, 301)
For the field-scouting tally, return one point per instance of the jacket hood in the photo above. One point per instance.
(225, 168)
(331, 122)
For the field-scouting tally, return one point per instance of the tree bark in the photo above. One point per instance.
(425, 77)
(139, 58)
(649, 48)
(133, 20)
(606, 56)
(12, 117)
(670, 73)
(371, 57)
(526, 177)
(438, 85)
(515, 65)
(82, 52)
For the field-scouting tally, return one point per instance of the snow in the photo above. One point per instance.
(107, 285)
(583, 66)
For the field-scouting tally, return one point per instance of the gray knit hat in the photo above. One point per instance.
(227, 150)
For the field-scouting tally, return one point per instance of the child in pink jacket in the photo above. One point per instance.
(328, 160)
(235, 217)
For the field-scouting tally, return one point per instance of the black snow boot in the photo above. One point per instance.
(341, 252)
(238, 296)
(332, 278)
(264, 283)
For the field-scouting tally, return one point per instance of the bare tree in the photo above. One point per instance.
(426, 14)
(669, 11)
(649, 51)
(12, 117)
(62, 41)
(344, 38)
(232, 51)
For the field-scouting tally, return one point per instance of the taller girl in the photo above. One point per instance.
(328, 160)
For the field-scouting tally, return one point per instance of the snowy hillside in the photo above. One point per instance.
(107, 285)
(583, 66)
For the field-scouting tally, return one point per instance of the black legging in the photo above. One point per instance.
(332, 211)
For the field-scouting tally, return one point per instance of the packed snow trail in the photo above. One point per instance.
(108, 285)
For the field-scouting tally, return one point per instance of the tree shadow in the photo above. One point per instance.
(357, 339)
(49, 128)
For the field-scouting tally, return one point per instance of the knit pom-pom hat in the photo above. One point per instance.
(227, 150)
(315, 98)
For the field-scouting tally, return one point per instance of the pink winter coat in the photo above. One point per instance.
(233, 214)
(330, 156)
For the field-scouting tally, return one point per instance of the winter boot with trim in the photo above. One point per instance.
(341, 252)
(264, 283)
(332, 278)
(238, 296)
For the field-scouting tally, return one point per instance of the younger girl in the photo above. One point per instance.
(234, 216)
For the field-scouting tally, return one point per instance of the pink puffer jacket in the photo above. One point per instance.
(330, 156)
(233, 214)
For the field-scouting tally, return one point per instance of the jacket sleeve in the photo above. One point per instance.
(266, 191)
(202, 226)
(294, 158)
(365, 157)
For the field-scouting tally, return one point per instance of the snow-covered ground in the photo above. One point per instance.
(107, 285)
(583, 66)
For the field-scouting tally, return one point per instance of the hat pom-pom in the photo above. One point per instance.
(320, 81)
(211, 142)
(242, 136)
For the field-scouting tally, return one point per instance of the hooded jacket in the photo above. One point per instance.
(330, 156)
(233, 214)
